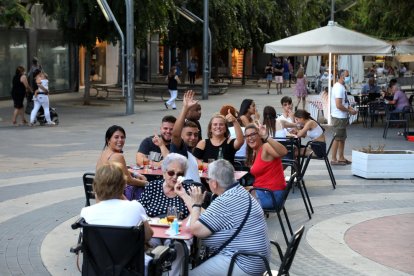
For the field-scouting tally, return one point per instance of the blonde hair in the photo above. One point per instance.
(217, 115)
(109, 181)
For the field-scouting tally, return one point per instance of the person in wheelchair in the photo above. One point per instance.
(111, 209)
(312, 129)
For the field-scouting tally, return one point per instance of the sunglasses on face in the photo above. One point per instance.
(172, 173)
(251, 135)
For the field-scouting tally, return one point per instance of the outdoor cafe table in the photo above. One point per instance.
(160, 231)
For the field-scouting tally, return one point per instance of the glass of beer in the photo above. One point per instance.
(145, 162)
(171, 213)
(200, 168)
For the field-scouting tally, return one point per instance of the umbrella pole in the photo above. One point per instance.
(329, 88)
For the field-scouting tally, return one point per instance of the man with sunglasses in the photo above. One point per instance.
(148, 145)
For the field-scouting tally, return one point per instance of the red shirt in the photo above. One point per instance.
(268, 174)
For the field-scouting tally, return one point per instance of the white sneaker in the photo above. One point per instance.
(51, 124)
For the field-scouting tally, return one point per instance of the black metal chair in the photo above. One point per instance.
(116, 250)
(293, 160)
(87, 186)
(286, 259)
(281, 207)
(305, 160)
(397, 117)
(376, 109)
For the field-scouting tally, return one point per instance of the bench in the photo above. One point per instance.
(108, 88)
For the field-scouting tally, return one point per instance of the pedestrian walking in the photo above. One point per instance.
(172, 80)
(19, 90)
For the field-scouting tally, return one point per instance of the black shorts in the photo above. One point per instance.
(319, 148)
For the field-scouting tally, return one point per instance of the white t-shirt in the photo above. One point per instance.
(114, 212)
(338, 91)
(192, 169)
(45, 84)
(287, 119)
(241, 153)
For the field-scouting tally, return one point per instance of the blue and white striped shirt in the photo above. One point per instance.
(224, 216)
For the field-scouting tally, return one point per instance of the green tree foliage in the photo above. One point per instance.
(385, 19)
(12, 13)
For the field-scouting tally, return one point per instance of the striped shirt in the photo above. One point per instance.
(224, 216)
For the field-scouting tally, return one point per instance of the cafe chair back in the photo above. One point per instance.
(286, 259)
(87, 187)
(376, 109)
(324, 157)
(116, 250)
(401, 118)
(277, 208)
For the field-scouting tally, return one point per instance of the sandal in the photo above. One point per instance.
(346, 162)
(337, 163)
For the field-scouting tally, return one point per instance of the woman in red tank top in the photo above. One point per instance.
(264, 158)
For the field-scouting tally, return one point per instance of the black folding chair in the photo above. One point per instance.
(324, 157)
(281, 207)
(397, 117)
(116, 250)
(293, 160)
(87, 187)
(286, 259)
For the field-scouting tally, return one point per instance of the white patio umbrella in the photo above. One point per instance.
(404, 50)
(405, 46)
(331, 39)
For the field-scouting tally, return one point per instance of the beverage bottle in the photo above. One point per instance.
(220, 154)
(175, 227)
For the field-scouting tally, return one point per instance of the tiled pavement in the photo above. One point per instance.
(364, 227)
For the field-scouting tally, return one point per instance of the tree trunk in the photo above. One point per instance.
(86, 95)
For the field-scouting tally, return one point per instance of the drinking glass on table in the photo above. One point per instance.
(171, 213)
(145, 162)
(200, 168)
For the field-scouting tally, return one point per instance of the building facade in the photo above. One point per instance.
(39, 38)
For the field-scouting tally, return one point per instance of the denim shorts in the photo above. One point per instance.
(265, 199)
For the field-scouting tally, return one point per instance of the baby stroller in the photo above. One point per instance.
(40, 116)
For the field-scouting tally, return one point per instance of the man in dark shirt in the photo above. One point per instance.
(147, 145)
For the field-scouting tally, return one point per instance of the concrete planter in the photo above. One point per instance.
(388, 164)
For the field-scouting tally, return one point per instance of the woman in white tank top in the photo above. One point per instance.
(312, 129)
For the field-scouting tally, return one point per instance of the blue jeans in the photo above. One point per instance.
(265, 199)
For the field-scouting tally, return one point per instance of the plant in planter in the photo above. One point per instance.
(378, 163)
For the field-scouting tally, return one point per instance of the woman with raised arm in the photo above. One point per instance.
(219, 144)
(264, 156)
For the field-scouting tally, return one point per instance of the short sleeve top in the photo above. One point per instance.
(211, 151)
(224, 216)
(147, 146)
(155, 202)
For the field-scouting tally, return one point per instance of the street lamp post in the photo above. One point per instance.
(107, 12)
(206, 68)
